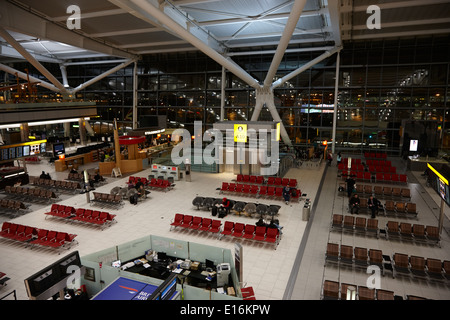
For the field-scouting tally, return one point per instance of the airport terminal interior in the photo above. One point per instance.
(341, 97)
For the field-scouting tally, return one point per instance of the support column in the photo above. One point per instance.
(135, 97)
(82, 131)
(336, 85)
(222, 95)
(24, 132)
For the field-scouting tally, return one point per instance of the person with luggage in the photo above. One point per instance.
(226, 205)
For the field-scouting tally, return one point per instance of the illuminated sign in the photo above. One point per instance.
(278, 131)
(240, 133)
(437, 173)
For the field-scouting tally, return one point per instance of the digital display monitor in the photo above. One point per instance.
(413, 145)
(19, 152)
(58, 148)
(440, 181)
(43, 147)
(5, 154)
(26, 151)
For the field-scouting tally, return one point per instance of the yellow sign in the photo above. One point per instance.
(278, 130)
(438, 174)
(240, 133)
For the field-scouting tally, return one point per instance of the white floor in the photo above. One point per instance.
(294, 271)
(266, 269)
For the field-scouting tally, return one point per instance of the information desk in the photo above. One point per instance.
(127, 289)
(159, 270)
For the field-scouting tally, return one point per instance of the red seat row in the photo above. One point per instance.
(134, 180)
(251, 232)
(250, 179)
(259, 191)
(160, 184)
(273, 181)
(37, 237)
(379, 177)
(196, 223)
(375, 155)
(371, 169)
(99, 218)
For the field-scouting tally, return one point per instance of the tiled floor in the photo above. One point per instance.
(294, 271)
(266, 269)
(312, 271)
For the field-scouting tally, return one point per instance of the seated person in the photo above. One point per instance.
(226, 204)
(354, 204)
(286, 194)
(43, 175)
(374, 204)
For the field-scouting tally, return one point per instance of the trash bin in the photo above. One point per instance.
(306, 211)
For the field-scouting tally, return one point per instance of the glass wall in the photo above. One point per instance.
(381, 84)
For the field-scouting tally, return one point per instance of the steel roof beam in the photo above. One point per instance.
(291, 24)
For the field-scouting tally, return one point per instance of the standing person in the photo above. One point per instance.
(329, 158)
(339, 158)
(354, 204)
(350, 185)
(373, 204)
(287, 194)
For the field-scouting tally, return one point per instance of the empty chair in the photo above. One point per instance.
(376, 258)
(272, 236)
(417, 265)
(360, 224)
(387, 191)
(400, 207)
(250, 208)
(405, 230)
(238, 230)
(434, 268)
(405, 193)
(378, 190)
(196, 223)
(330, 290)
(367, 189)
(396, 192)
(392, 229)
(365, 293)
(177, 221)
(187, 221)
(401, 264)
(346, 254)
(249, 231)
(384, 294)
(337, 221)
(227, 228)
(361, 256)
(206, 224)
(239, 207)
(389, 206)
(418, 231)
(261, 209)
(446, 268)
(432, 234)
(372, 226)
(215, 226)
(198, 202)
(411, 208)
(262, 191)
(260, 233)
(332, 253)
(349, 222)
